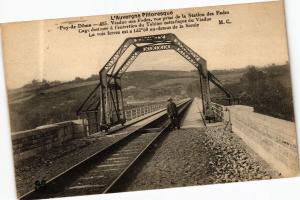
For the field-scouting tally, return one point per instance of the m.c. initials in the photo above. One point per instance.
(222, 21)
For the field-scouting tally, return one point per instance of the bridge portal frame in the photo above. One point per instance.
(107, 97)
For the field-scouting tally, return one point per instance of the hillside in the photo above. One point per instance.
(268, 90)
(49, 102)
(45, 104)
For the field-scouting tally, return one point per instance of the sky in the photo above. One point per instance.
(38, 50)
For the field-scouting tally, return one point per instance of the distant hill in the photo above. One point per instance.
(148, 79)
(47, 102)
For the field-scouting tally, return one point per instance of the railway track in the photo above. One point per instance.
(101, 172)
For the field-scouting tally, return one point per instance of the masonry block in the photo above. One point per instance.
(273, 139)
(36, 141)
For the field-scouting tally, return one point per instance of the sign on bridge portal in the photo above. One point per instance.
(150, 100)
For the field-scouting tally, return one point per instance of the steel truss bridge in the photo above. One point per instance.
(105, 103)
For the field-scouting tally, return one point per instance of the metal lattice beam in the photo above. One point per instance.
(108, 97)
(131, 58)
(116, 56)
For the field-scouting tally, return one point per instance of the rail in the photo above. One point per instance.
(52, 187)
(92, 122)
(182, 106)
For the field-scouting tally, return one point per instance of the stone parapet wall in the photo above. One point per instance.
(31, 142)
(273, 139)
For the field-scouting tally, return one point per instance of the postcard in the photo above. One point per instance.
(150, 100)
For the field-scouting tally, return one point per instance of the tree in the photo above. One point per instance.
(34, 82)
(78, 79)
(254, 81)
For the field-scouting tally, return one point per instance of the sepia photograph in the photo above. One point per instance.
(150, 100)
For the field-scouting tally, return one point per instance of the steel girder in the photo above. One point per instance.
(92, 99)
(109, 98)
(179, 47)
(147, 44)
(218, 83)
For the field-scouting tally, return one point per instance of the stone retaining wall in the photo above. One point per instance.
(273, 139)
(31, 142)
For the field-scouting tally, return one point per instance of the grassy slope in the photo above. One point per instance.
(59, 103)
(47, 108)
(32, 108)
